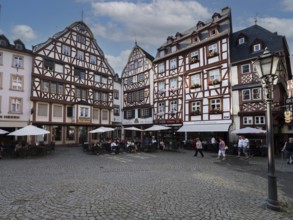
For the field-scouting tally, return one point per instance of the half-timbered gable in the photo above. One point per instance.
(137, 88)
(70, 69)
(248, 96)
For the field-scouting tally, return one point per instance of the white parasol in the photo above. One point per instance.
(157, 128)
(133, 129)
(29, 130)
(101, 130)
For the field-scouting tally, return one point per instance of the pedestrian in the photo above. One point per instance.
(288, 149)
(222, 149)
(198, 148)
(240, 145)
(245, 147)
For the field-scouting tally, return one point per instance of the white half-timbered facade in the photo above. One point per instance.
(72, 85)
(192, 80)
(137, 78)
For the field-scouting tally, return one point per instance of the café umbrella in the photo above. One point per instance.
(157, 128)
(133, 129)
(29, 130)
(249, 130)
(101, 130)
(3, 131)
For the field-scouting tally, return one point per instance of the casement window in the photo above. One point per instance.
(246, 94)
(213, 32)
(196, 106)
(80, 39)
(93, 59)
(17, 61)
(48, 65)
(97, 78)
(46, 86)
(104, 96)
(79, 73)
(214, 75)
(195, 80)
(116, 94)
(53, 87)
(141, 95)
(259, 120)
(215, 104)
(212, 50)
(256, 93)
(105, 115)
(60, 89)
(161, 86)
(116, 110)
(245, 68)
(161, 68)
(251, 94)
(247, 120)
(140, 77)
(173, 63)
(57, 111)
(42, 109)
(145, 112)
(194, 56)
(173, 83)
(80, 55)
(129, 98)
(16, 82)
(161, 108)
(256, 47)
(59, 68)
(137, 64)
(84, 112)
(174, 49)
(80, 93)
(70, 133)
(66, 50)
(104, 80)
(241, 40)
(130, 114)
(97, 96)
(96, 114)
(15, 105)
(173, 106)
(1, 58)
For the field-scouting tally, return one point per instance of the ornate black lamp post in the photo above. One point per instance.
(266, 66)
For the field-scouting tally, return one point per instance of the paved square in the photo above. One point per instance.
(71, 184)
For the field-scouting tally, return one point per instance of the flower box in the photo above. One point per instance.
(195, 86)
(197, 112)
(216, 111)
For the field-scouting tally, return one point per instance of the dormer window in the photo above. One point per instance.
(174, 48)
(19, 46)
(256, 47)
(241, 40)
(213, 32)
(200, 24)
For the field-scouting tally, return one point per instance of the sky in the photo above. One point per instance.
(118, 24)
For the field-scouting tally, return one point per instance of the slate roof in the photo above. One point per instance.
(274, 42)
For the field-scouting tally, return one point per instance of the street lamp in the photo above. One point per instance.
(266, 66)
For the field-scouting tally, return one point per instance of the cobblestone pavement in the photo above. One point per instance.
(71, 184)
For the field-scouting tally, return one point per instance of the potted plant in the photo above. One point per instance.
(196, 112)
(195, 86)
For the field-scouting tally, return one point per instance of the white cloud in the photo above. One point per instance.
(23, 32)
(287, 5)
(118, 62)
(148, 23)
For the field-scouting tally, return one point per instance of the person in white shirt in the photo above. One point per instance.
(245, 147)
(240, 146)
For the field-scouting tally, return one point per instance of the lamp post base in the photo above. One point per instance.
(273, 205)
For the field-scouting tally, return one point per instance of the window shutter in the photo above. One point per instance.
(150, 112)
(69, 111)
(133, 113)
(125, 114)
(139, 110)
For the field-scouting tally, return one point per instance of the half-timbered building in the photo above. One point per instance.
(72, 85)
(192, 78)
(15, 85)
(249, 105)
(137, 78)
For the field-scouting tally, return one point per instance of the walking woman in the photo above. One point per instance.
(198, 148)
(221, 149)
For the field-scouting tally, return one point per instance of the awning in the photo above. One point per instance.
(204, 128)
